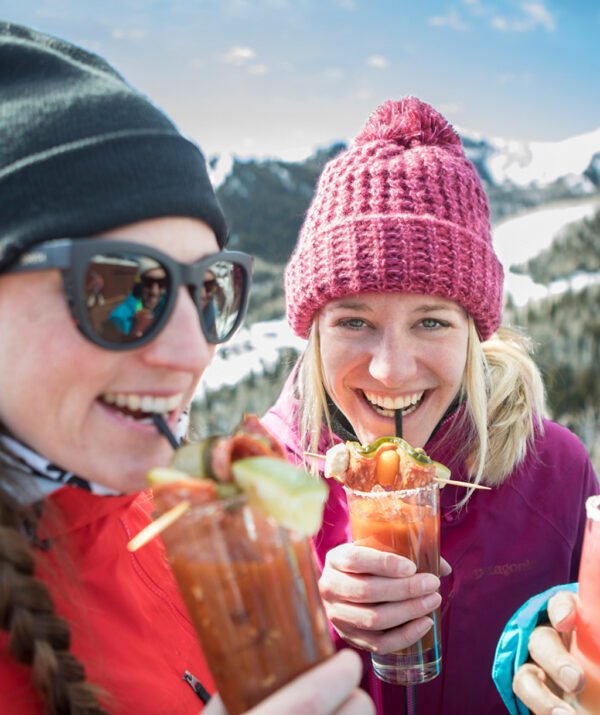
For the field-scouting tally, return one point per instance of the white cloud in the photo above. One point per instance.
(378, 62)
(475, 7)
(535, 14)
(258, 69)
(538, 14)
(451, 20)
(238, 55)
(499, 23)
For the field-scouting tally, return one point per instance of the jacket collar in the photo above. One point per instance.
(70, 508)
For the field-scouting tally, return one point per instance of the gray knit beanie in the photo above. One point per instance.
(81, 151)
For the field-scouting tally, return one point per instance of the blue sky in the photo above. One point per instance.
(282, 77)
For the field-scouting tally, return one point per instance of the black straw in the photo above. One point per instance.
(398, 419)
(163, 428)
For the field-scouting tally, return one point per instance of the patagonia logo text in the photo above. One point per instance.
(504, 569)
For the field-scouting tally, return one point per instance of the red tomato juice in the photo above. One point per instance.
(250, 588)
(406, 523)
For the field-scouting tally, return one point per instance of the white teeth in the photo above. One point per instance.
(160, 405)
(134, 402)
(144, 403)
(393, 403)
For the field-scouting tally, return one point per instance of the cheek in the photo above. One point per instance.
(52, 376)
(456, 361)
(333, 364)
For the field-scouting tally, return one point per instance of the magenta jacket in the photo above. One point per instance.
(504, 547)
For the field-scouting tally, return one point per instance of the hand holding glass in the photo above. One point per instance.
(407, 523)
(585, 645)
(250, 588)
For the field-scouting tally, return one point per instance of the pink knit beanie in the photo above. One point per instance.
(401, 211)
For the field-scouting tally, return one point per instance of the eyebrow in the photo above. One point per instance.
(351, 305)
(430, 308)
(424, 308)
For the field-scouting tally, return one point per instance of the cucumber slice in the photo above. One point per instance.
(287, 493)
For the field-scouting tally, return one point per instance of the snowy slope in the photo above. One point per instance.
(520, 238)
(539, 163)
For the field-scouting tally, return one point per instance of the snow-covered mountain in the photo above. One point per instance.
(265, 200)
(574, 161)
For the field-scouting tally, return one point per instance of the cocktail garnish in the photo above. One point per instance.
(160, 524)
(251, 462)
(282, 490)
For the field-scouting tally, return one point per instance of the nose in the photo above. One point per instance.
(394, 360)
(181, 344)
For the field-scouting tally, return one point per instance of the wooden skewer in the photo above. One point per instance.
(441, 480)
(155, 527)
(467, 485)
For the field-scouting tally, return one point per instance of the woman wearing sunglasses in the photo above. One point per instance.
(101, 195)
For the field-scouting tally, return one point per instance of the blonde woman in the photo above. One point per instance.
(395, 283)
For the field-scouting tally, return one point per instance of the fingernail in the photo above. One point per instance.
(561, 711)
(562, 612)
(429, 582)
(425, 625)
(432, 601)
(406, 567)
(569, 678)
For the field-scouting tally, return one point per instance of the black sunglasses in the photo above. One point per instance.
(121, 294)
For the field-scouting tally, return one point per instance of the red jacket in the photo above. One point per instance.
(128, 623)
(504, 547)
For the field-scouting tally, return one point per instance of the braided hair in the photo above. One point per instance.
(37, 636)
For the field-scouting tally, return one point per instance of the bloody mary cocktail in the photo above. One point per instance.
(407, 523)
(250, 588)
(585, 645)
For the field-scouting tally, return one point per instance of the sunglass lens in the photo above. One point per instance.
(221, 299)
(125, 295)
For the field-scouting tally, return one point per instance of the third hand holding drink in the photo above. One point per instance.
(585, 645)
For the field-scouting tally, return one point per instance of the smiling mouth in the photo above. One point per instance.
(140, 407)
(387, 406)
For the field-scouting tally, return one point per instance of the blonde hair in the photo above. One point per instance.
(502, 391)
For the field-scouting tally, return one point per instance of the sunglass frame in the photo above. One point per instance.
(73, 256)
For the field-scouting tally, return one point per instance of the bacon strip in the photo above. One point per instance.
(249, 439)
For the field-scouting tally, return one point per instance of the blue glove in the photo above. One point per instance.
(512, 649)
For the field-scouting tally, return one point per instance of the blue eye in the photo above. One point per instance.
(351, 323)
(431, 323)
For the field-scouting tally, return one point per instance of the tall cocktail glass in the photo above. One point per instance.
(405, 522)
(251, 590)
(585, 645)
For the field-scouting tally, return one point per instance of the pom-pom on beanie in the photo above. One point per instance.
(81, 151)
(402, 210)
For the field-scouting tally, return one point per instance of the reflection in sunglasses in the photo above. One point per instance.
(137, 290)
